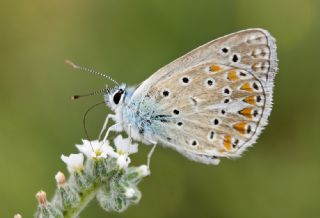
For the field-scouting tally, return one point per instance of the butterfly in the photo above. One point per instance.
(211, 103)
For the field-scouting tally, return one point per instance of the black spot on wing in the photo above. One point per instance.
(162, 118)
(141, 131)
(141, 128)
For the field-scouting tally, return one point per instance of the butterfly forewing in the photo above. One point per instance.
(215, 100)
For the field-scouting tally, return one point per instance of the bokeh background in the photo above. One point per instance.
(278, 177)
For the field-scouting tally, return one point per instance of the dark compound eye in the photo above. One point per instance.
(117, 96)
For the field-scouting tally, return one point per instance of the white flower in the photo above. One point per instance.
(129, 192)
(96, 149)
(123, 161)
(124, 145)
(74, 162)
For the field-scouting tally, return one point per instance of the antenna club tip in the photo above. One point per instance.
(70, 63)
(74, 97)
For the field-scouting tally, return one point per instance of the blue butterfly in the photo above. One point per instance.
(212, 102)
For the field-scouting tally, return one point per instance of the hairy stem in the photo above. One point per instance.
(85, 199)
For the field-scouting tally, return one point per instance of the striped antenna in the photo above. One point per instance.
(73, 65)
(75, 97)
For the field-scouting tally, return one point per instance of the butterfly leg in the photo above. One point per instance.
(151, 153)
(129, 134)
(115, 127)
(110, 116)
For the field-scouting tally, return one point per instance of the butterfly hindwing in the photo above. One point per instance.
(212, 113)
(216, 99)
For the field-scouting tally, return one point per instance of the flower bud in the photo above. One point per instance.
(144, 170)
(129, 193)
(45, 209)
(60, 178)
(41, 197)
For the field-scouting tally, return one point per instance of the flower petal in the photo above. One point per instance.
(74, 162)
(124, 145)
(96, 149)
(123, 161)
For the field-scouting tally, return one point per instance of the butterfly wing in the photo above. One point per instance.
(216, 99)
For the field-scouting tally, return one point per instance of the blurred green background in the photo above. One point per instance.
(278, 177)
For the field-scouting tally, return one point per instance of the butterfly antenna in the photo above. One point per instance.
(75, 97)
(75, 66)
(84, 121)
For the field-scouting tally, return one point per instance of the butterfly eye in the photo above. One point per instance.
(117, 96)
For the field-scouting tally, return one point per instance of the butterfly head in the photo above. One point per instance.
(115, 97)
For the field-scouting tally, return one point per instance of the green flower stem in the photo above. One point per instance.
(85, 199)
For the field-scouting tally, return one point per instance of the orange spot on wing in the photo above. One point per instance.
(240, 127)
(250, 100)
(227, 142)
(232, 75)
(215, 68)
(246, 87)
(247, 112)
